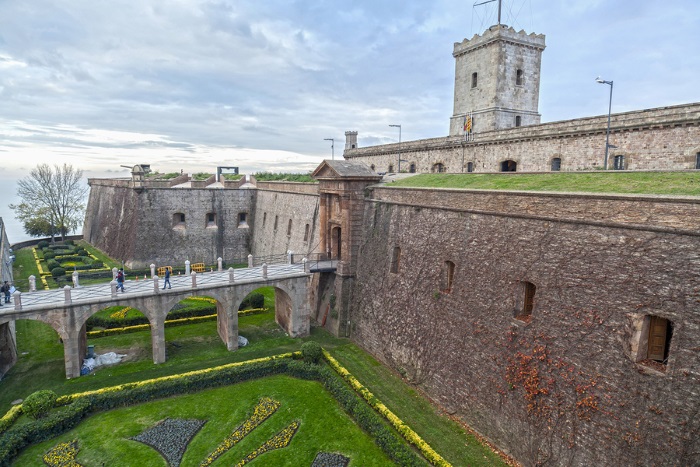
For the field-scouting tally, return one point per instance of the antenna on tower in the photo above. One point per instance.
(491, 1)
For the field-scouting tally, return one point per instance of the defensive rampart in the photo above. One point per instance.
(528, 316)
(163, 225)
(652, 139)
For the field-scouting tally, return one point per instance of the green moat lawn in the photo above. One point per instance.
(652, 183)
(198, 346)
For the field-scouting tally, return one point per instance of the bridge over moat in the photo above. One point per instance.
(67, 310)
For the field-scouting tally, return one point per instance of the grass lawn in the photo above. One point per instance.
(658, 183)
(23, 267)
(104, 438)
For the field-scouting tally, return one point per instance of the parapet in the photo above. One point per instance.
(499, 32)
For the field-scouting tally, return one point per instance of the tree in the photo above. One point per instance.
(52, 200)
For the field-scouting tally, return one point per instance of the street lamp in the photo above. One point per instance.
(607, 133)
(399, 127)
(332, 146)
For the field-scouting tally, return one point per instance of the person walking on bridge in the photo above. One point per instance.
(120, 279)
(6, 291)
(167, 278)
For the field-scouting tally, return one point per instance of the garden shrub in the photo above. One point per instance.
(49, 254)
(69, 242)
(52, 264)
(81, 252)
(311, 351)
(58, 272)
(39, 403)
(42, 244)
(254, 300)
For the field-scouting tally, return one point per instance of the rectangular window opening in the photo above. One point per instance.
(395, 259)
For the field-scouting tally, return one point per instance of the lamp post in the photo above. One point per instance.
(399, 127)
(607, 133)
(332, 146)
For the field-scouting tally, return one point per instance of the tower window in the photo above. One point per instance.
(474, 79)
(264, 218)
(619, 163)
(517, 120)
(697, 160)
(519, 77)
(289, 228)
(525, 301)
(179, 220)
(276, 219)
(395, 259)
(660, 333)
(243, 219)
(448, 275)
(556, 164)
(470, 167)
(439, 167)
(306, 233)
(211, 219)
(412, 168)
(509, 166)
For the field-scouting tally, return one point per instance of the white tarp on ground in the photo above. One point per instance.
(242, 341)
(110, 358)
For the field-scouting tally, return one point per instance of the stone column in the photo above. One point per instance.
(158, 340)
(290, 254)
(32, 283)
(66, 295)
(156, 287)
(75, 279)
(17, 297)
(220, 263)
(114, 273)
(153, 270)
(187, 267)
(250, 261)
(230, 275)
(194, 279)
(113, 286)
(264, 271)
(71, 355)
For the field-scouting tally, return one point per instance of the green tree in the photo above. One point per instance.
(52, 200)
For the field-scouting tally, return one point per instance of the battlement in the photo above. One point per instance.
(503, 33)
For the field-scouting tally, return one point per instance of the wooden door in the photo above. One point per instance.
(658, 329)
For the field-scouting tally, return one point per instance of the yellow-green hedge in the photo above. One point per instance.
(403, 429)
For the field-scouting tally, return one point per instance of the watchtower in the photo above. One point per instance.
(497, 80)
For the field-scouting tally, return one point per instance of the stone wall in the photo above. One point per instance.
(140, 226)
(274, 210)
(654, 139)
(565, 386)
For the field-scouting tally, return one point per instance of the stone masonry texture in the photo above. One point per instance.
(563, 388)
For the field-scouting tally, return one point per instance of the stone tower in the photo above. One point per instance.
(497, 78)
(350, 140)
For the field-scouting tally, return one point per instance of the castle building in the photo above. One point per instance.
(495, 126)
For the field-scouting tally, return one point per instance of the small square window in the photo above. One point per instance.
(395, 259)
(243, 219)
(179, 220)
(211, 219)
(475, 80)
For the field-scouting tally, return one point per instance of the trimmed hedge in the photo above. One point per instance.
(56, 272)
(254, 300)
(77, 406)
(39, 403)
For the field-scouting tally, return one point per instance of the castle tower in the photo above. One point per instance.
(350, 140)
(497, 78)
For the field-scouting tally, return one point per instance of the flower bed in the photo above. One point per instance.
(63, 455)
(279, 441)
(262, 411)
(170, 438)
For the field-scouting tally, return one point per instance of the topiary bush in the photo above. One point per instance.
(52, 264)
(57, 272)
(42, 244)
(69, 242)
(311, 351)
(49, 254)
(39, 403)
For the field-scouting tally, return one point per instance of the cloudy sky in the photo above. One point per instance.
(187, 84)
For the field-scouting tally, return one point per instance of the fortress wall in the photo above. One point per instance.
(289, 187)
(564, 388)
(139, 226)
(665, 138)
(300, 208)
